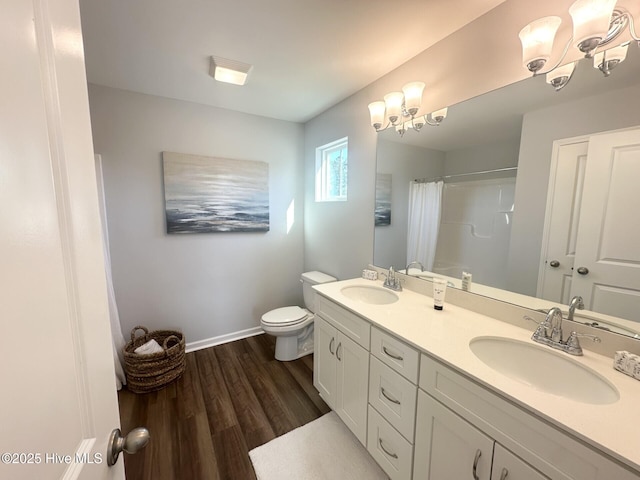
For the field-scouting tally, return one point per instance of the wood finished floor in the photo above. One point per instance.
(231, 399)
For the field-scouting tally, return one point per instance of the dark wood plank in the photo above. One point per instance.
(231, 398)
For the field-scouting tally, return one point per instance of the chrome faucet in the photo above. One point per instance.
(391, 281)
(576, 302)
(414, 263)
(549, 332)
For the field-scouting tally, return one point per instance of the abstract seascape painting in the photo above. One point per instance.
(208, 194)
(383, 199)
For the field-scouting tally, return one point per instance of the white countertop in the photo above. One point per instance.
(446, 334)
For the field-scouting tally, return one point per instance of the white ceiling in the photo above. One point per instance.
(307, 55)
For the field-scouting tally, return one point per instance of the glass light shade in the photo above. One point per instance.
(440, 113)
(413, 96)
(393, 102)
(591, 19)
(609, 59)
(376, 110)
(615, 54)
(537, 41)
(418, 122)
(559, 77)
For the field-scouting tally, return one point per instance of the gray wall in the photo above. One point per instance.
(208, 285)
(500, 154)
(609, 111)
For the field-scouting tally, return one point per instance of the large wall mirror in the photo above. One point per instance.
(537, 193)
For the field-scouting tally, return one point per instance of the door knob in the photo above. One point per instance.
(135, 440)
(582, 270)
(554, 263)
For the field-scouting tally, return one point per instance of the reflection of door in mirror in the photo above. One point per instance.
(593, 196)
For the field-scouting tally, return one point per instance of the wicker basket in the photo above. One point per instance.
(149, 372)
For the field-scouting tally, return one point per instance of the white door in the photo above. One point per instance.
(58, 403)
(566, 184)
(607, 263)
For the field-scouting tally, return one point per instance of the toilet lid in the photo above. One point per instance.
(284, 316)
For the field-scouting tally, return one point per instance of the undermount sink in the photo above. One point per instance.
(544, 369)
(370, 294)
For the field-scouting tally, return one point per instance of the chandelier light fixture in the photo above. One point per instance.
(596, 23)
(399, 110)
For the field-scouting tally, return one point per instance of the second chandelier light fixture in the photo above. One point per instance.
(596, 23)
(399, 110)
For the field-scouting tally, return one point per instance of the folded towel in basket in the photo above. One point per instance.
(150, 347)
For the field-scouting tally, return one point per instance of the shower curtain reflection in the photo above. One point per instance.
(425, 200)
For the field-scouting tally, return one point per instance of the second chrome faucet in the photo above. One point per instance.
(549, 332)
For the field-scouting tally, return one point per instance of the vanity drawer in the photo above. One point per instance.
(396, 354)
(353, 326)
(390, 449)
(393, 396)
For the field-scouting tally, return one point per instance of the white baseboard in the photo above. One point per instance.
(229, 337)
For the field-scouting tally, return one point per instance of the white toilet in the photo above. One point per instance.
(293, 326)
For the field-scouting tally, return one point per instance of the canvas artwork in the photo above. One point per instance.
(208, 194)
(383, 199)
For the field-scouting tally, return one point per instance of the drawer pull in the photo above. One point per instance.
(392, 455)
(338, 351)
(333, 339)
(389, 397)
(396, 357)
(475, 465)
(504, 474)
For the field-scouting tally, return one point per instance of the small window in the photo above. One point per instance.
(331, 171)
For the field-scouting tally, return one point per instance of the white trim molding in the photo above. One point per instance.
(229, 337)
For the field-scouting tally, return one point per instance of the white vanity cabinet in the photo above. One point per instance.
(449, 447)
(341, 364)
(457, 418)
(393, 377)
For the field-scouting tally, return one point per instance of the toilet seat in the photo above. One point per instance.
(285, 316)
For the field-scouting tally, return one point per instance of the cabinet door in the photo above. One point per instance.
(353, 385)
(448, 447)
(506, 466)
(324, 360)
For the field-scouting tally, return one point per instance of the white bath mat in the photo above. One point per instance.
(324, 449)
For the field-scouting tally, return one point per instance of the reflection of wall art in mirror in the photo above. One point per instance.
(383, 199)
(206, 194)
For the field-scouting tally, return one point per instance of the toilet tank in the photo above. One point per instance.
(309, 279)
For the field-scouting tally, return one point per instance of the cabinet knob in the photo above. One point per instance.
(582, 270)
(504, 474)
(331, 345)
(554, 263)
(338, 351)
